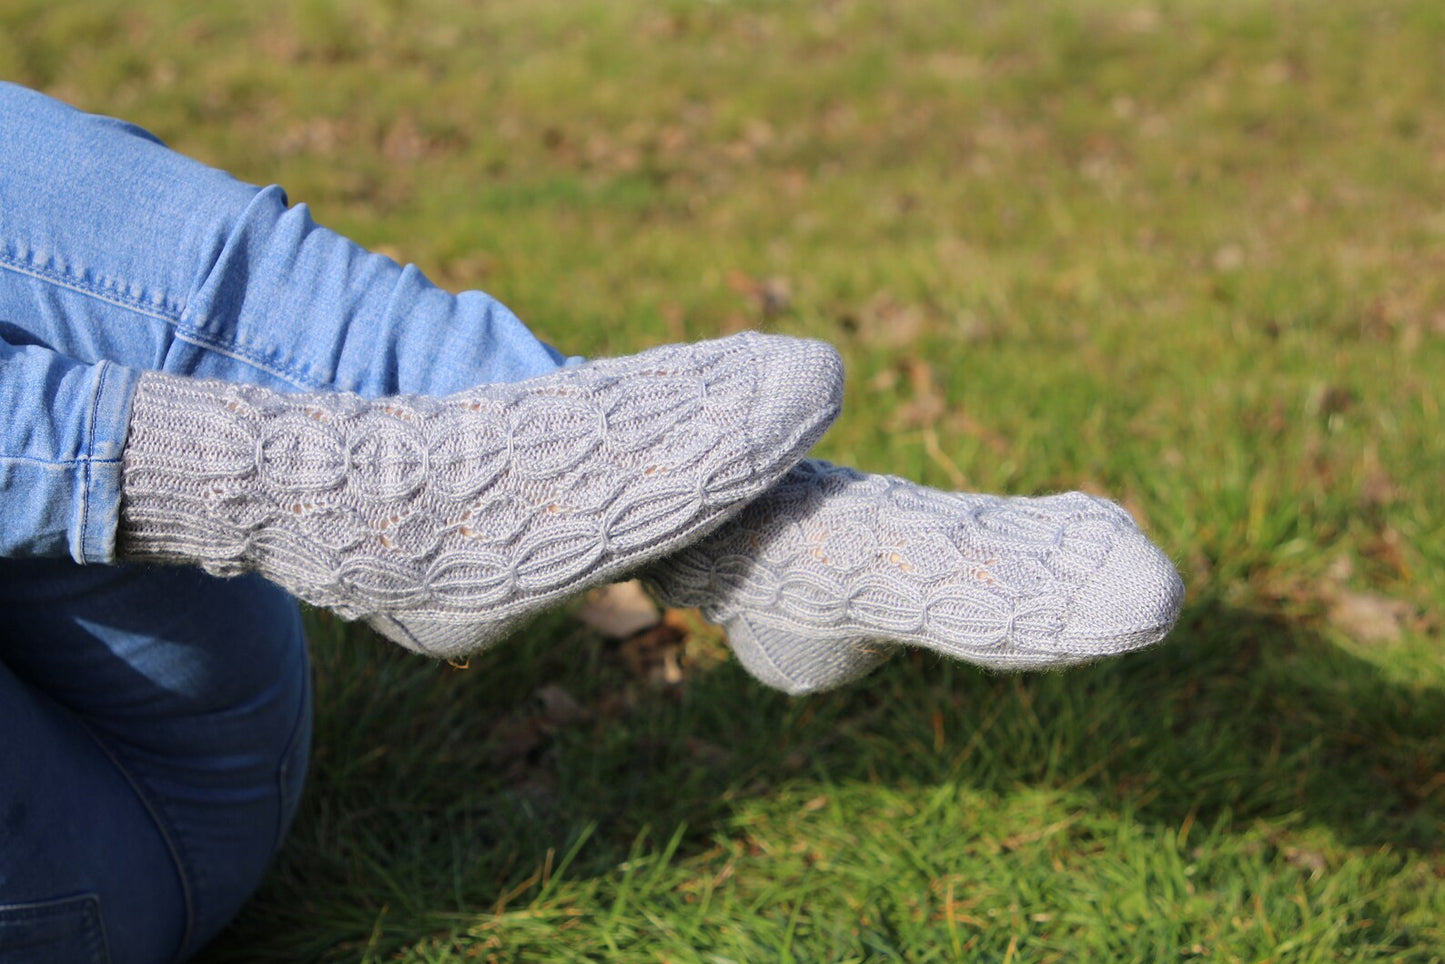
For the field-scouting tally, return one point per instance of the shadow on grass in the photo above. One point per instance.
(1248, 715)
(437, 795)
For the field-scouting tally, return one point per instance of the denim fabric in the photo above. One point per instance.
(155, 723)
(114, 249)
(156, 734)
(68, 929)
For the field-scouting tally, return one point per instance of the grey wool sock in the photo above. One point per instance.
(824, 576)
(445, 522)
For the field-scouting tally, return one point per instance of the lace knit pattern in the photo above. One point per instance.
(818, 578)
(466, 514)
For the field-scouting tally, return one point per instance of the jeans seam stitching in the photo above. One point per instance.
(90, 290)
(298, 726)
(172, 846)
(100, 941)
(88, 902)
(58, 463)
(175, 317)
(285, 372)
(85, 473)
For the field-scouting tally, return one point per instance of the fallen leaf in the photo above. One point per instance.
(891, 324)
(960, 423)
(1307, 859)
(1228, 257)
(1368, 617)
(770, 296)
(708, 754)
(1327, 400)
(620, 610)
(559, 708)
(512, 740)
(926, 403)
(655, 655)
(1378, 488)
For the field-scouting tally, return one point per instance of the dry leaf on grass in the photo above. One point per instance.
(620, 610)
(769, 296)
(655, 656)
(559, 708)
(1369, 617)
(518, 742)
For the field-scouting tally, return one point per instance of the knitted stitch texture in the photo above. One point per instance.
(446, 522)
(820, 579)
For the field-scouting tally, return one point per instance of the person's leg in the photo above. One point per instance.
(113, 247)
(831, 570)
(446, 523)
(118, 256)
(156, 734)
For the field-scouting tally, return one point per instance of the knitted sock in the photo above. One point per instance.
(822, 577)
(446, 522)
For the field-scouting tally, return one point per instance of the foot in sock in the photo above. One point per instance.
(447, 522)
(823, 577)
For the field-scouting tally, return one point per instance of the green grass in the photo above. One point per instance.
(1188, 255)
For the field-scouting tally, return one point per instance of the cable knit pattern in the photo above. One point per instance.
(819, 579)
(446, 522)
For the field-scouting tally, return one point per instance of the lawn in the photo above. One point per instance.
(1189, 255)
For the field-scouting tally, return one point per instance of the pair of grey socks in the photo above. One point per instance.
(447, 522)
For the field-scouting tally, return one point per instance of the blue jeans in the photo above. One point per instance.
(154, 723)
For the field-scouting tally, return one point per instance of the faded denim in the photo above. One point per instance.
(155, 723)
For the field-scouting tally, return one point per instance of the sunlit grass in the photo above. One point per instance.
(1187, 255)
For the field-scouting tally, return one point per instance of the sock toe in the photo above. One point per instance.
(1131, 601)
(800, 394)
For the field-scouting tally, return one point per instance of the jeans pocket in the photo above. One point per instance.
(60, 931)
